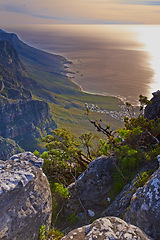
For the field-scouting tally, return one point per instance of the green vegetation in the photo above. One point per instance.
(133, 146)
(142, 179)
(53, 234)
(63, 192)
(67, 156)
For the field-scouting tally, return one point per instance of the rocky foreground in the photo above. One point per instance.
(26, 204)
(110, 228)
(25, 198)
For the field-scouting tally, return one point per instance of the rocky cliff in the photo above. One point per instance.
(14, 80)
(19, 113)
(16, 118)
(152, 111)
(25, 198)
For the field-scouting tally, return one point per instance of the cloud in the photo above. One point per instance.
(14, 8)
(83, 11)
(23, 9)
(139, 2)
(127, 2)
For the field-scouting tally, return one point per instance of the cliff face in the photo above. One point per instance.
(21, 116)
(14, 80)
(19, 113)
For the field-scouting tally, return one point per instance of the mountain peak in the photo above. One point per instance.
(1, 31)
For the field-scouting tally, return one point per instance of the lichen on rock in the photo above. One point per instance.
(144, 210)
(107, 228)
(25, 198)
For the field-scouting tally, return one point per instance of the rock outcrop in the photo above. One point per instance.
(107, 228)
(122, 201)
(20, 115)
(8, 148)
(14, 80)
(25, 198)
(91, 188)
(144, 210)
(152, 111)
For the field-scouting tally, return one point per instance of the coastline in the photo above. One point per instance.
(115, 68)
(70, 75)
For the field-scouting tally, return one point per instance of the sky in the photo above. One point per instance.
(19, 12)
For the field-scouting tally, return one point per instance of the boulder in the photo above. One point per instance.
(144, 210)
(92, 186)
(25, 198)
(152, 111)
(122, 201)
(107, 228)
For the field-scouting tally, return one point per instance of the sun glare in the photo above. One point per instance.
(150, 37)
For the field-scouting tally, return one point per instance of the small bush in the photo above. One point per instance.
(141, 180)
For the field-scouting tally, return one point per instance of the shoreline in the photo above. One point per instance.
(70, 78)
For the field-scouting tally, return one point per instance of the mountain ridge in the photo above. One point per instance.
(21, 117)
(66, 100)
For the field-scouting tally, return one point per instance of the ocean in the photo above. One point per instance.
(114, 60)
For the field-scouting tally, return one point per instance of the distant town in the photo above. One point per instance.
(119, 115)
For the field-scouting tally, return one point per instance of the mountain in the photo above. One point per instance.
(37, 61)
(2, 31)
(12, 73)
(66, 100)
(21, 118)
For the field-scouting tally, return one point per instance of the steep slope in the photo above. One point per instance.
(21, 117)
(15, 82)
(38, 61)
(66, 100)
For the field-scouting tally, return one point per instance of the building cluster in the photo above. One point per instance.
(118, 115)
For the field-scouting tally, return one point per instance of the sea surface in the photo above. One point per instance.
(116, 60)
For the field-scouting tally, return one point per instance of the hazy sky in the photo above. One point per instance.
(79, 11)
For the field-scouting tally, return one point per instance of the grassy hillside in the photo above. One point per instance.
(66, 101)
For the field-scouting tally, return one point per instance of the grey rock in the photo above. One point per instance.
(30, 157)
(144, 210)
(91, 213)
(93, 185)
(121, 203)
(118, 207)
(19, 117)
(152, 111)
(109, 228)
(25, 198)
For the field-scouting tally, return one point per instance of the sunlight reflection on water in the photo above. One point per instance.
(117, 60)
(150, 36)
